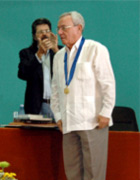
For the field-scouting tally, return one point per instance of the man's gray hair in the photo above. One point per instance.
(77, 18)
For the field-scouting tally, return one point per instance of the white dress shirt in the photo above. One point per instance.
(92, 89)
(45, 60)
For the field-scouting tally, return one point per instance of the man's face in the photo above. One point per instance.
(42, 32)
(68, 33)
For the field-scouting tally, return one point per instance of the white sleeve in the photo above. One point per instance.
(55, 105)
(106, 80)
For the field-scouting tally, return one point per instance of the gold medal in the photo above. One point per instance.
(66, 90)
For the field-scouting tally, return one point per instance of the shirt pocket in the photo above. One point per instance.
(84, 71)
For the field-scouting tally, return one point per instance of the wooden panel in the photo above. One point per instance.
(36, 154)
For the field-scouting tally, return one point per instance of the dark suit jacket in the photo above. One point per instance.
(31, 71)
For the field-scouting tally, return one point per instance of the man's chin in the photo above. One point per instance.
(63, 41)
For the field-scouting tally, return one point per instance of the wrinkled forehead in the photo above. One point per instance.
(65, 20)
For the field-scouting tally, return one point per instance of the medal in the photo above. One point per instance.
(66, 90)
(68, 80)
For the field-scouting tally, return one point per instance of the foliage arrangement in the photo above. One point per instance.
(6, 175)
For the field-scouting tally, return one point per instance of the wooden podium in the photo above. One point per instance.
(36, 154)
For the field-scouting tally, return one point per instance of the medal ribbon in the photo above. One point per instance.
(74, 63)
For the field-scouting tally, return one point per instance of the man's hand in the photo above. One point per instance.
(103, 122)
(59, 124)
(47, 43)
(43, 46)
(53, 42)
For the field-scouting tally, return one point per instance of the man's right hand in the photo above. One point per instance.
(42, 47)
(59, 124)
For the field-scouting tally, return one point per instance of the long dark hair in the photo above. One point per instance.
(34, 25)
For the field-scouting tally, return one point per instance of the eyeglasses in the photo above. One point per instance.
(63, 28)
(43, 31)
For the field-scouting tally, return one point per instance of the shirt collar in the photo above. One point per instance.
(78, 42)
(76, 45)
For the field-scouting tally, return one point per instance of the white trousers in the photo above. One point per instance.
(85, 154)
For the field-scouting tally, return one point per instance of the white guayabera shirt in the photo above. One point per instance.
(92, 89)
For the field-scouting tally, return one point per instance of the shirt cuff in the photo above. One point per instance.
(106, 112)
(39, 60)
(57, 117)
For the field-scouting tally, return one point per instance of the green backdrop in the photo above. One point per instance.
(113, 23)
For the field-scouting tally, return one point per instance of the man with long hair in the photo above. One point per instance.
(36, 67)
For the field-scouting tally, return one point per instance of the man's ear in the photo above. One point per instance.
(80, 27)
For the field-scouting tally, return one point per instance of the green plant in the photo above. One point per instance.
(6, 175)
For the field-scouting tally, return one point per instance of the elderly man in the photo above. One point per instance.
(83, 96)
(35, 67)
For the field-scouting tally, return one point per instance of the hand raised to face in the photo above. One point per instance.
(48, 42)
